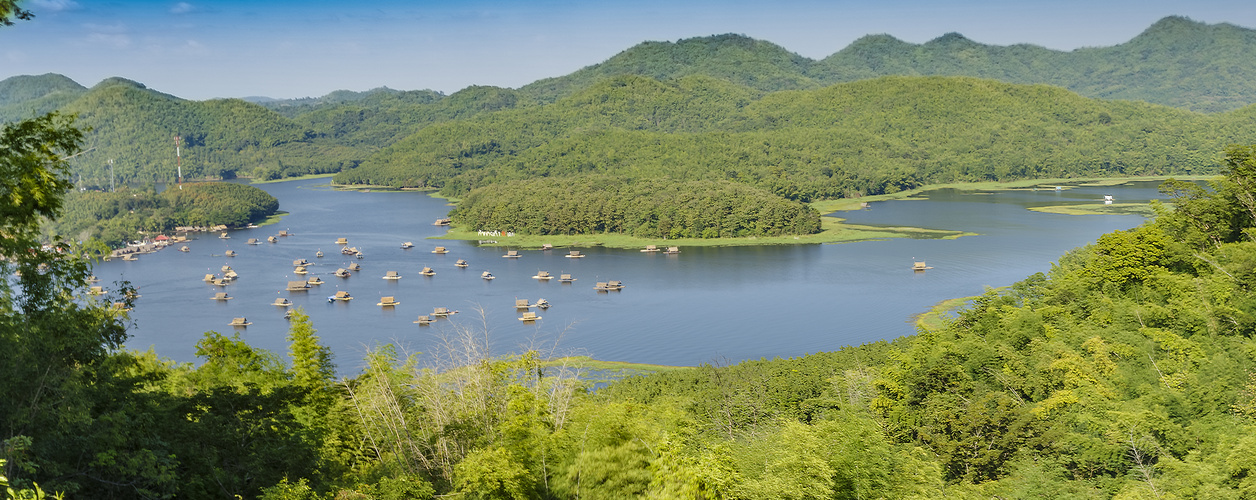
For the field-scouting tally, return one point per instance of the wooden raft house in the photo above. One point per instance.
(225, 268)
(300, 262)
(221, 296)
(314, 281)
(920, 266)
(185, 248)
(427, 271)
(224, 236)
(547, 246)
(650, 248)
(609, 286)
(424, 320)
(565, 278)
(440, 250)
(522, 304)
(318, 254)
(341, 273)
(130, 257)
(272, 239)
(574, 254)
(355, 267)
(253, 241)
(387, 301)
(209, 278)
(407, 245)
(487, 275)
(441, 222)
(230, 253)
(529, 317)
(300, 270)
(298, 286)
(442, 312)
(342, 296)
(392, 275)
(240, 322)
(512, 254)
(93, 279)
(342, 241)
(543, 276)
(672, 250)
(96, 291)
(281, 302)
(542, 303)
(461, 263)
(285, 233)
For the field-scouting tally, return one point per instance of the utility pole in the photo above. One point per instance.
(111, 185)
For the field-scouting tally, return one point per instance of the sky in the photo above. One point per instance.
(199, 49)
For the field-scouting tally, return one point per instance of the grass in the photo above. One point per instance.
(1143, 209)
(941, 313)
(278, 216)
(286, 179)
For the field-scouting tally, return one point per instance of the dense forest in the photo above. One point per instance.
(1126, 371)
(118, 217)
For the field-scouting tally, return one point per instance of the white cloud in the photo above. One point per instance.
(15, 56)
(182, 8)
(115, 40)
(54, 5)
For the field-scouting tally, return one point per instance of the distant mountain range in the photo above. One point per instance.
(705, 83)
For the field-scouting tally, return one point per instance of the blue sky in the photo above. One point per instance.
(199, 49)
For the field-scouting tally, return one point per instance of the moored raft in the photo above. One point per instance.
(221, 296)
(96, 291)
(300, 262)
(574, 254)
(253, 241)
(342, 241)
(392, 275)
(342, 296)
(512, 254)
(441, 222)
(314, 281)
(230, 253)
(672, 250)
(355, 267)
(240, 322)
(281, 302)
(542, 303)
(407, 245)
(543, 276)
(522, 304)
(565, 278)
(529, 317)
(461, 263)
(130, 257)
(387, 301)
(427, 271)
(284, 233)
(442, 312)
(341, 273)
(272, 239)
(650, 248)
(208, 278)
(298, 286)
(920, 266)
(606, 286)
(300, 270)
(424, 320)
(185, 248)
(547, 246)
(224, 236)
(487, 275)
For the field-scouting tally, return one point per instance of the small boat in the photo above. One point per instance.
(608, 286)
(529, 317)
(424, 320)
(387, 301)
(542, 303)
(298, 286)
(240, 322)
(314, 281)
(461, 263)
(285, 233)
(224, 236)
(547, 246)
(230, 253)
(355, 267)
(185, 248)
(96, 291)
(281, 302)
(392, 275)
(441, 222)
(442, 312)
(341, 273)
(221, 296)
(650, 248)
(318, 254)
(487, 275)
(407, 245)
(574, 254)
(300, 270)
(440, 250)
(672, 250)
(342, 241)
(208, 278)
(920, 266)
(359, 255)
(512, 254)
(130, 257)
(543, 276)
(522, 304)
(341, 296)
(349, 250)
(300, 262)
(427, 271)
(253, 241)
(565, 278)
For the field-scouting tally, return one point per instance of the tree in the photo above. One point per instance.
(10, 11)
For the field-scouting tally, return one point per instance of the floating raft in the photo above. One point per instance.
(650, 248)
(392, 275)
(512, 254)
(342, 241)
(342, 296)
(240, 322)
(424, 320)
(387, 301)
(543, 276)
(440, 250)
(341, 273)
(565, 278)
(920, 266)
(529, 317)
(407, 245)
(281, 302)
(442, 312)
(487, 275)
(461, 263)
(427, 271)
(221, 296)
(574, 254)
(298, 286)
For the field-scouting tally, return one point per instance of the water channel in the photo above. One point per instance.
(703, 305)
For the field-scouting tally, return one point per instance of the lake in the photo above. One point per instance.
(707, 304)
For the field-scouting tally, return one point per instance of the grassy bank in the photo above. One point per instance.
(1143, 209)
(286, 179)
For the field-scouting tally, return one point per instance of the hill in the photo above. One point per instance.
(26, 96)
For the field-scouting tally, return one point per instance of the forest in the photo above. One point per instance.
(1126, 371)
(116, 218)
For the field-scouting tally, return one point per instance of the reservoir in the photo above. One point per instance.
(705, 305)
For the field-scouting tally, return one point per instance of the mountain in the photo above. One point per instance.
(26, 96)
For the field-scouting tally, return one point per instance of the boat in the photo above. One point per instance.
(606, 286)
(240, 322)
(228, 253)
(543, 276)
(407, 245)
(359, 255)
(185, 248)
(461, 263)
(121, 306)
(300, 262)
(132, 294)
(355, 267)
(253, 241)
(208, 278)
(441, 222)
(300, 270)
(230, 275)
(440, 250)
(96, 291)
(442, 312)
(522, 304)
(341, 296)
(547, 246)
(920, 266)
(424, 320)
(565, 278)
(93, 279)
(220, 282)
(287, 314)
(542, 303)
(392, 275)
(281, 302)
(284, 233)
(387, 301)
(224, 236)
(529, 317)
(221, 296)
(427, 271)
(314, 281)
(298, 286)
(672, 250)
(341, 273)
(574, 254)
(650, 248)
(272, 239)
(225, 268)
(487, 275)
(318, 254)
(512, 254)
(342, 241)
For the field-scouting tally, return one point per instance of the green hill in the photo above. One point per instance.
(26, 96)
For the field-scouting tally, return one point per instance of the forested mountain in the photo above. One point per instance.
(24, 97)
(1176, 62)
